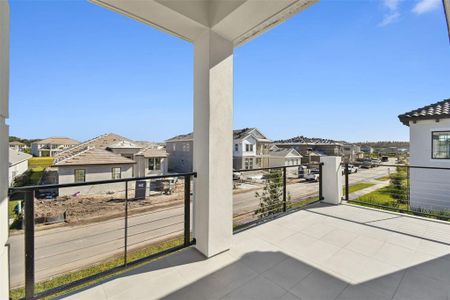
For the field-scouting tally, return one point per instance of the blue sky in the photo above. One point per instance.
(341, 69)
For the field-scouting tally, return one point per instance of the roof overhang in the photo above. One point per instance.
(236, 20)
(447, 15)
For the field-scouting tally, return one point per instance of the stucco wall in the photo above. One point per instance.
(430, 189)
(93, 173)
(16, 170)
(4, 149)
(180, 160)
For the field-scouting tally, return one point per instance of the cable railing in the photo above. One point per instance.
(262, 194)
(417, 190)
(142, 225)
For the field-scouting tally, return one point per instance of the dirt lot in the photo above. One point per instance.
(88, 208)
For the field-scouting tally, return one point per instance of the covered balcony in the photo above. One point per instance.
(320, 250)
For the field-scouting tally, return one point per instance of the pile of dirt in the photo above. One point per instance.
(86, 208)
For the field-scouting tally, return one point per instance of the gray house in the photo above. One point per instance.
(251, 150)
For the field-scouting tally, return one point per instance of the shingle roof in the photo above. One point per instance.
(153, 152)
(100, 142)
(94, 156)
(58, 141)
(124, 144)
(16, 143)
(237, 134)
(439, 110)
(16, 157)
(282, 152)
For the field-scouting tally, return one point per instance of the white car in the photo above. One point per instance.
(352, 169)
(311, 177)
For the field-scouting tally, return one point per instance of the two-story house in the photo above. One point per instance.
(52, 146)
(251, 150)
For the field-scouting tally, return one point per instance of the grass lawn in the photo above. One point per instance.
(11, 206)
(383, 197)
(40, 162)
(109, 264)
(358, 187)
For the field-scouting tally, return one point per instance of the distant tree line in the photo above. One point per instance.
(25, 141)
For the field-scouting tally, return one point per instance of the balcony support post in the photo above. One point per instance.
(331, 179)
(213, 142)
(4, 152)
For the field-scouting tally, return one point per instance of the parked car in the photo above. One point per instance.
(237, 175)
(311, 176)
(375, 162)
(366, 164)
(352, 169)
(385, 159)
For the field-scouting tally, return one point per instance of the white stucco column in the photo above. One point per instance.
(4, 165)
(213, 143)
(331, 179)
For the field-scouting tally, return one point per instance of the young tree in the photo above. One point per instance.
(399, 185)
(271, 197)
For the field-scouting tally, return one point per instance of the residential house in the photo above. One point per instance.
(18, 146)
(429, 129)
(251, 150)
(52, 146)
(351, 152)
(109, 156)
(18, 164)
(367, 149)
(312, 149)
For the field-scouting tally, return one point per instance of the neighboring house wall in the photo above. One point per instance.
(429, 189)
(180, 156)
(142, 166)
(17, 170)
(66, 174)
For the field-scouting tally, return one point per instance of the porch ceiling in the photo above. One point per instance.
(236, 20)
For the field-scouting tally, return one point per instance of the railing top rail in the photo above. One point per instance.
(97, 182)
(407, 166)
(278, 167)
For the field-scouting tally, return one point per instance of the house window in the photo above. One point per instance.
(258, 162)
(249, 147)
(248, 163)
(441, 145)
(116, 173)
(154, 164)
(236, 147)
(80, 175)
(186, 147)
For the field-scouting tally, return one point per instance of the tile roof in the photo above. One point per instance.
(124, 144)
(58, 141)
(16, 143)
(94, 156)
(439, 110)
(306, 140)
(16, 157)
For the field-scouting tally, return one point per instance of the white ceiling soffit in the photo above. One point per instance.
(236, 20)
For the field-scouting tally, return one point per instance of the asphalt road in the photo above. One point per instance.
(68, 248)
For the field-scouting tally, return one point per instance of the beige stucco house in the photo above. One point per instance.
(109, 156)
(51, 146)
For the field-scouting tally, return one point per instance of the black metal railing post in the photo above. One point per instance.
(320, 181)
(347, 187)
(125, 253)
(284, 190)
(29, 244)
(187, 210)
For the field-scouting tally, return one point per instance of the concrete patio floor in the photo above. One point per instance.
(324, 252)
